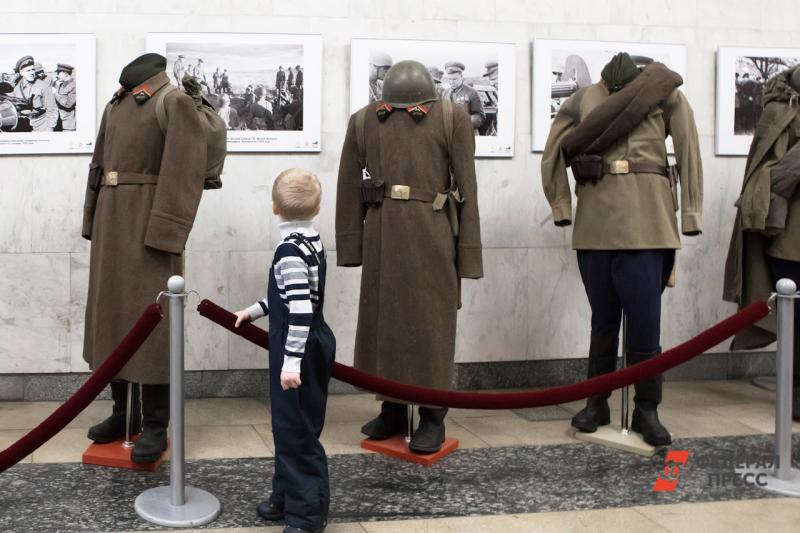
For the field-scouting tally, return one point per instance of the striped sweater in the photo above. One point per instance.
(298, 286)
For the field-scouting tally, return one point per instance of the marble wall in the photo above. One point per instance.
(530, 270)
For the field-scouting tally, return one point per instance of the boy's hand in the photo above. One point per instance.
(290, 380)
(242, 316)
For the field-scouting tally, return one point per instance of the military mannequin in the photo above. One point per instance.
(379, 65)
(414, 228)
(43, 114)
(765, 245)
(461, 93)
(142, 195)
(625, 231)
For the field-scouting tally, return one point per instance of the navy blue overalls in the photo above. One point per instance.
(300, 485)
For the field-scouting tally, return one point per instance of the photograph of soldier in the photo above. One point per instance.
(750, 75)
(38, 92)
(469, 81)
(66, 96)
(379, 65)
(250, 86)
(178, 69)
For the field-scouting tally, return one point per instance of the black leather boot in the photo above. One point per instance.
(155, 420)
(392, 421)
(602, 360)
(430, 433)
(113, 427)
(648, 395)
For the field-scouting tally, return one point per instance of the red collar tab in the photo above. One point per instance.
(142, 93)
(418, 112)
(383, 109)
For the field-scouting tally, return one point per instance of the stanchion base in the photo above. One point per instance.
(614, 438)
(154, 505)
(765, 479)
(115, 455)
(397, 447)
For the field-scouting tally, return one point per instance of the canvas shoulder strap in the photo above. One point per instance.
(361, 117)
(161, 109)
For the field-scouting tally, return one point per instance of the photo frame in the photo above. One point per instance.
(561, 67)
(741, 74)
(488, 72)
(47, 93)
(267, 87)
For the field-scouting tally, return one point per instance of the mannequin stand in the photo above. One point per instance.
(397, 447)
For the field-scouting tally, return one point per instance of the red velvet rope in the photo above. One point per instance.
(515, 400)
(67, 411)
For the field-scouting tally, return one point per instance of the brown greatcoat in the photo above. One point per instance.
(411, 262)
(139, 230)
(747, 277)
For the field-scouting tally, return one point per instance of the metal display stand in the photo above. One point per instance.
(177, 505)
(781, 478)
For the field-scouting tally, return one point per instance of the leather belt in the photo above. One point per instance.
(404, 192)
(113, 178)
(629, 167)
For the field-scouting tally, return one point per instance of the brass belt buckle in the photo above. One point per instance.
(112, 178)
(619, 167)
(401, 192)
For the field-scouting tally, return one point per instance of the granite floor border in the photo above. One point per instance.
(469, 376)
(369, 487)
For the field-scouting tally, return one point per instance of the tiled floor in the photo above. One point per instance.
(240, 428)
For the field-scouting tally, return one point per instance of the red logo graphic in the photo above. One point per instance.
(674, 460)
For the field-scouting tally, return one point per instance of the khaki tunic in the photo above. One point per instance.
(628, 211)
(411, 262)
(139, 231)
(66, 96)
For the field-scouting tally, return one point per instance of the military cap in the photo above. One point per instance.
(63, 67)
(454, 66)
(436, 73)
(181, 56)
(380, 59)
(38, 67)
(491, 64)
(298, 66)
(23, 62)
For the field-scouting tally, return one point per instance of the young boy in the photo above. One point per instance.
(301, 353)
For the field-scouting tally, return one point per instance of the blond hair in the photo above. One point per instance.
(297, 194)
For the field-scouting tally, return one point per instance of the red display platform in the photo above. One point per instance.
(115, 455)
(398, 448)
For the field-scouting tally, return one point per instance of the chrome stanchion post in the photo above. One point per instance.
(782, 478)
(177, 505)
(128, 442)
(787, 293)
(410, 419)
(624, 419)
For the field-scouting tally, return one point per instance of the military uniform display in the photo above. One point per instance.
(142, 195)
(43, 115)
(765, 244)
(612, 134)
(465, 95)
(399, 226)
(65, 93)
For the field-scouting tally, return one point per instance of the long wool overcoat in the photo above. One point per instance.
(139, 227)
(411, 261)
(747, 277)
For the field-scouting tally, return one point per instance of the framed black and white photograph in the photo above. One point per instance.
(741, 75)
(47, 93)
(562, 67)
(266, 87)
(480, 76)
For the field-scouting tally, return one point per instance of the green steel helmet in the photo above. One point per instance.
(407, 84)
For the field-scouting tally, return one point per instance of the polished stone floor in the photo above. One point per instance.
(516, 470)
